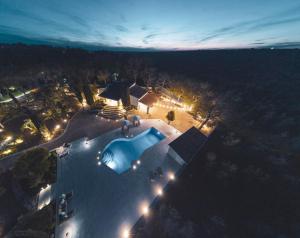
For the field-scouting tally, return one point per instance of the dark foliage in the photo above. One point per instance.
(245, 183)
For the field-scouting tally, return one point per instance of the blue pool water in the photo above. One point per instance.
(120, 154)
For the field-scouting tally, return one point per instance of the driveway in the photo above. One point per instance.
(83, 124)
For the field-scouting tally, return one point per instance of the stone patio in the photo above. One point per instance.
(183, 120)
(105, 203)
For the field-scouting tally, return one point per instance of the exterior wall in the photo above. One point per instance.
(175, 156)
(142, 107)
(114, 103)
(134, 101)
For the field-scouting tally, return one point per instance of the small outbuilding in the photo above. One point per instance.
(136, 92)
(146, 102)
(185, 147)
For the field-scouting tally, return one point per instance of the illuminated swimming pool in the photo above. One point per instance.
(120, 154)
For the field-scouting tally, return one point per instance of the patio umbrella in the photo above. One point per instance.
(136, 118)
(125, 123)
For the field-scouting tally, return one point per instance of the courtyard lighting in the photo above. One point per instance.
(6, 152)
(48, 137)
(171, 176)
(57, 127)
(134, 167)
(99, 163)
(125, 233)
(138, 162)
(159, 191)
(19, 141)
(86, 143)
(65, 120)
(70, 229)
(146, 211)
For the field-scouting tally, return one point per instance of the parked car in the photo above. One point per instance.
(67, 145)
(64, 154)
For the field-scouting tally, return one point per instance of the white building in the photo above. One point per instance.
(139, 97)
(146, 102)
(136, 93)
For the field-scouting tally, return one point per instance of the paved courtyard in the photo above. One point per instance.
(183, 120)
(105, 203)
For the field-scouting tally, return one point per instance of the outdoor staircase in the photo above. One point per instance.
(112, 112)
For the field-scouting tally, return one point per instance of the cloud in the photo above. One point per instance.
(53, 25)
(76, 19)
(285, 45)
(277, 45)
(273, 22)
(61, 42)
(121, 28)
(258, 43)
(145, 27)
(123, 18)
(148, 38)
(281, 18)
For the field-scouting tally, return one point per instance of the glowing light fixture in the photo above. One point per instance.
(19, 141)
(171, 176)
(57, 127)
(138, 162)
(6, 152)
(125, 233)
(86, 144)
(159, 191)
(145, 210)
(134, 167)
(99, 163)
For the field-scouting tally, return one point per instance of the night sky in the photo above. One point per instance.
(153, 24)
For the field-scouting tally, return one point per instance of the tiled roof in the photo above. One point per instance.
(114, 90)
(149, 99)
(188, 144)
(137, 91)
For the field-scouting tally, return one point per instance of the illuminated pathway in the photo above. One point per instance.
(107, 204)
